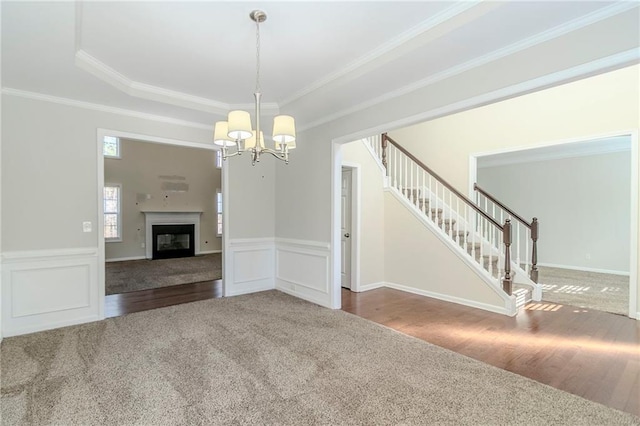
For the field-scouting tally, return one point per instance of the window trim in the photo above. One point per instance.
(117, 239)
(219, 214)
(117, 156)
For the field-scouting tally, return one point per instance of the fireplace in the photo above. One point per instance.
(172, 234)
(171, 241)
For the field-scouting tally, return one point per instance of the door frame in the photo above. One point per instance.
(100, 134)
(355, 222)
(635, 220)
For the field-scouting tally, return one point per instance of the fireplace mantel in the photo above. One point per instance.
(157, 217)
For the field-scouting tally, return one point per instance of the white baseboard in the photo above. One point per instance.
(453, 299)
(372, 286)
(124, 259)
(583, 268)
(209, 252)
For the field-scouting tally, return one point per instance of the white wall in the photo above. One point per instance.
(372, 217)
(142, 169)
(582, 204)
(51, 269)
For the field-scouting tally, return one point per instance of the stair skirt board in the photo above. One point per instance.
(509, 308)
(497, 259)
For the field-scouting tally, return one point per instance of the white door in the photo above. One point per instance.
(345, 219)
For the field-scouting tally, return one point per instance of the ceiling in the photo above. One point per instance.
(194, 61)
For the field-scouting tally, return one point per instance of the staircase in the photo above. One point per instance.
(494, 240)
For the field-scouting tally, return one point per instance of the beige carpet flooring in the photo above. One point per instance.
(134, 275)
(265, 359)
(589, 290)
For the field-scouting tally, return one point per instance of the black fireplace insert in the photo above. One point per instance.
(171, 241)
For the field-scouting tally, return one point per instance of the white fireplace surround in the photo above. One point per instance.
(170, 218)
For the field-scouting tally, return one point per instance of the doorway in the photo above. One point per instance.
(146, 186)
(345, 227)
(584, 193)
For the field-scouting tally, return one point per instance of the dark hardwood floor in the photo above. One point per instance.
(136, 301)
(593, 354)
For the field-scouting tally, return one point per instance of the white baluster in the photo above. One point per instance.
(411, 181)
(527, 262)
(518, 225)
(450, 214)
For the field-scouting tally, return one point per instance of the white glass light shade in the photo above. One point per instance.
(284, 131)
(239, 125)
(221, 134)
(251, 142)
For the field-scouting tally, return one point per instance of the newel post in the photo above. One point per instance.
(384, 150)
(507, 281)
(534, 250)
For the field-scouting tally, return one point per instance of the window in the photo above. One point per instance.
(219, 212)
(218, 159)
(111, 147)
(112, 212)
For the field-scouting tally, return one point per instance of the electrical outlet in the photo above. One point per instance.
(588, 256)
(142, 245)
(86, 226)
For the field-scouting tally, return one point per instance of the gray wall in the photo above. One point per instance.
(49, 170)
(142, 169)
(582, 204)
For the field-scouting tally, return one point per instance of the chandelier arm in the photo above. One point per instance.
(280, 155)
(233, 154)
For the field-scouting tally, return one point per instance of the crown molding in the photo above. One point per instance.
(102, 108)
(571, 150)
(385, 48)
(609, 63)
(618, 60)
(159, 94)
(513, 48)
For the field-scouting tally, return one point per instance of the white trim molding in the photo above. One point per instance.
(152, 218)
(102, 108)
(47, 289)
(250, 264)
(141, 90)
(302, 269)
(609, 63)
(586, 269)
(509, 311)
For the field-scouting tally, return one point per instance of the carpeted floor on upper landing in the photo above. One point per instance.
(265, 359)
(590, 290)
(134, 275)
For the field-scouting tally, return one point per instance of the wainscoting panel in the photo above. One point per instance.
(251, 268)
(303, 269)
(49, 289)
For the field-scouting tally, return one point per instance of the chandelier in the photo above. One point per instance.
(237, 131)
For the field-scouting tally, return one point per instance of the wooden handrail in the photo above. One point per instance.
(502, 206)
(444, 183)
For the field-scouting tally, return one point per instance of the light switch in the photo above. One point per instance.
(86, 226)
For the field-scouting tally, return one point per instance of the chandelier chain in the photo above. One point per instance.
(257, 57)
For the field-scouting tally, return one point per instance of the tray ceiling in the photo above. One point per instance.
(195, 60)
